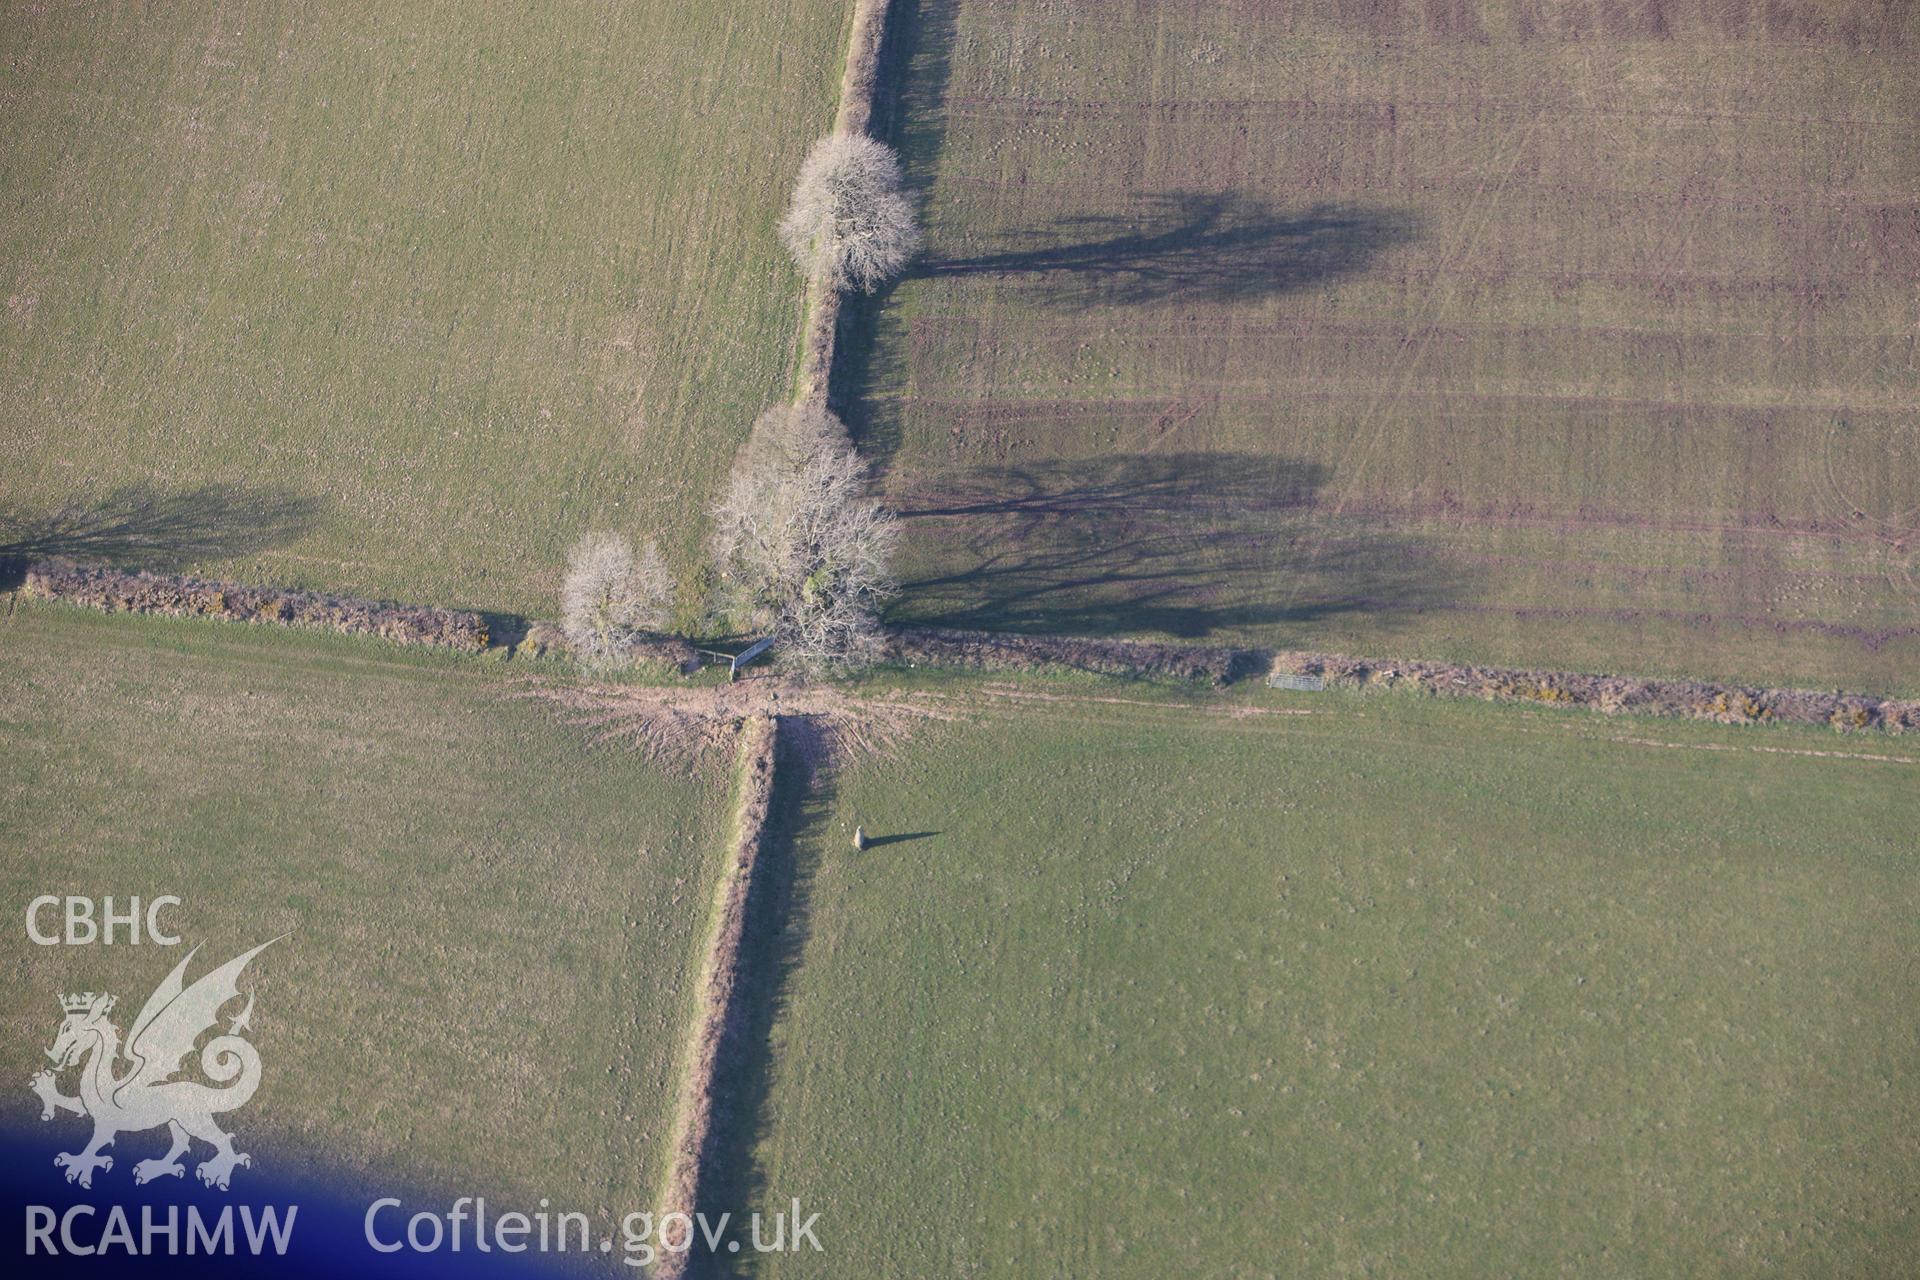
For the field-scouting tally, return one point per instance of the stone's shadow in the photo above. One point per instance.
(1184, 545)
(137, 527)
(1187, 247)
(877, 842)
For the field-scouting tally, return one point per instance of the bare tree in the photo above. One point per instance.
(850, 223)
(803, 552)
(610, 596)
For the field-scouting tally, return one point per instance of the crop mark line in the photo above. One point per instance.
(1780, 751)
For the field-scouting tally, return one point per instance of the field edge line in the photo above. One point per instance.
(716, 1004)
(859, 82)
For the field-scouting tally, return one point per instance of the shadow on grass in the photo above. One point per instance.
(1178, 544)
(138, 528)
(777, 925)
(1186, 247)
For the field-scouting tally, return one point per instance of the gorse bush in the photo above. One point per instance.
(610, 596)
(802, 552)
(849, 222)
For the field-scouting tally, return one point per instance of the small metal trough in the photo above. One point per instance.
(1301, 684)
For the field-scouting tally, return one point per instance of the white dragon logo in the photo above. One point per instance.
(146, 1095)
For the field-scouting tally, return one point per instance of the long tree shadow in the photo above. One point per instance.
(777, 923)
(1184, 545)
(138, 527)
(1187, 247)
(916, 64)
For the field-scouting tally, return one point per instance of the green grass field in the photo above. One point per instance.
(1540, 333)
(493, 928)
(429, 288)
(1381, 987)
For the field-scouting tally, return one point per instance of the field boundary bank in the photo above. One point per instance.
(116, 591)
(1217, 665)
(820, 331)
(698, 1126)
(697, 1115)
(1612, 695)
(175, 595)
(1125, 659)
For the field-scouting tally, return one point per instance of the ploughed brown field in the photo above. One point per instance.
(1526, 331)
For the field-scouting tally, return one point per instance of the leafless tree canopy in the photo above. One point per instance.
(849, 221)
(803, 552)
(610, 595)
